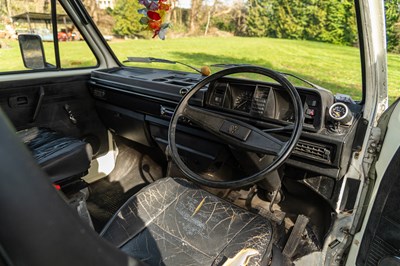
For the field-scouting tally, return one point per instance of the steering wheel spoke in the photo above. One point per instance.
(234, 132)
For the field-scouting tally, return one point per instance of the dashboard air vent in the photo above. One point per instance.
(315, 151)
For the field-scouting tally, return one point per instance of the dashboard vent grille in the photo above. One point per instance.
(220, 91)
(318, 152)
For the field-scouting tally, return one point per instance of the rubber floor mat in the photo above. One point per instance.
(134, 169)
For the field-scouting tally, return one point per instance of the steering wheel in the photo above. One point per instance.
(235, 132)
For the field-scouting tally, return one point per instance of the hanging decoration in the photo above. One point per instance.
(154, 15)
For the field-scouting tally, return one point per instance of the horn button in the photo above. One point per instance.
(235, 130)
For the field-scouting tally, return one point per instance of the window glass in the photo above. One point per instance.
(21, 17)
(392, 10)
(315, 40)
(34, 17)
(74, 51)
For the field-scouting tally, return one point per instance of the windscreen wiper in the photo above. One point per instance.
(229, 65)
(205, 70)
(315, 86)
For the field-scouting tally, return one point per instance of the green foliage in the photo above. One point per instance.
(127, 18)
(233, 21)
(258, 19)
(223, 23)
(327, 20)
(393, 25)
(313, 20)
(341, 27)
(109, 11)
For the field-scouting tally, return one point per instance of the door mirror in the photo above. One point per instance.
(32, 51)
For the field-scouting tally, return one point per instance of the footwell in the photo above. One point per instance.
(135, 168)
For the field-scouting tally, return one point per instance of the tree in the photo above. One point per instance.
(219, 10)
(239, 19)
(194, 12)
(258, 18)
(42, 6)
(102, 18)
(210, 13)
(341, 27)
(7, 8)
(393, 25)
(127, 18)
(327, 20)
(313, 20)
(231, 19)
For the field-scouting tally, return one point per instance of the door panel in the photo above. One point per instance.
(382, 235)
(381, 232)
(62, 104)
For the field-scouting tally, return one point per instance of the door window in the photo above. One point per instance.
(35, 17)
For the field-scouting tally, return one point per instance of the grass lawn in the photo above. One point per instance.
(336, 68)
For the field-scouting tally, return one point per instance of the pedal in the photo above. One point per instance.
(295, 236)
(78, 202)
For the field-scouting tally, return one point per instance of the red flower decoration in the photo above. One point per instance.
(153, 15)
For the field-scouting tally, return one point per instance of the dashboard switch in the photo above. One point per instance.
(310, 112)
(235, 130)
(217, 99)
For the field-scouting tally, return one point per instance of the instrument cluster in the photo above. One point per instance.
(262, 101)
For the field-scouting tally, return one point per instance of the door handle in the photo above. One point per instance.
(17, 101)
(39, 103)
(71, 116)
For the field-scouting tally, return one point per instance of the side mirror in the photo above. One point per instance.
(32, 51)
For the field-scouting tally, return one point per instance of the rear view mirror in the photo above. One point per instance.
(32, 51)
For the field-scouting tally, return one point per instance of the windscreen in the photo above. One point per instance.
(314, 40)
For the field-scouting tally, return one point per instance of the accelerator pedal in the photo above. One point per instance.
(295, 236)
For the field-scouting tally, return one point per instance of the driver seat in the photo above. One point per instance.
(172, 222)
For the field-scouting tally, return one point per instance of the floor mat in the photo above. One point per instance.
(134, 169)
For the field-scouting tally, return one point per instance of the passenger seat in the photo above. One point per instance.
(64, 159)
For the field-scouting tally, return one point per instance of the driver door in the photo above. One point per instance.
(378, 241)
(54, 93)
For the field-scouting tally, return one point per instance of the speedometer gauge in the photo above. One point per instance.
(340, 113)
(243, 101)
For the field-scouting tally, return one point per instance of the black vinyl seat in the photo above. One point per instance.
(172, 222)
(59, 156)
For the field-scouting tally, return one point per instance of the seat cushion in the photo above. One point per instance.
(59, 156)
(172, 222)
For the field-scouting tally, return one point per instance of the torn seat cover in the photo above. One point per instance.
(172, 222)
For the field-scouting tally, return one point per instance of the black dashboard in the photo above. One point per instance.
(266, 102)
(137, 103)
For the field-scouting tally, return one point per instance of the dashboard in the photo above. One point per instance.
(137, 103)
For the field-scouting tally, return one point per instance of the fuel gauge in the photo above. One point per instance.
(340, 113)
